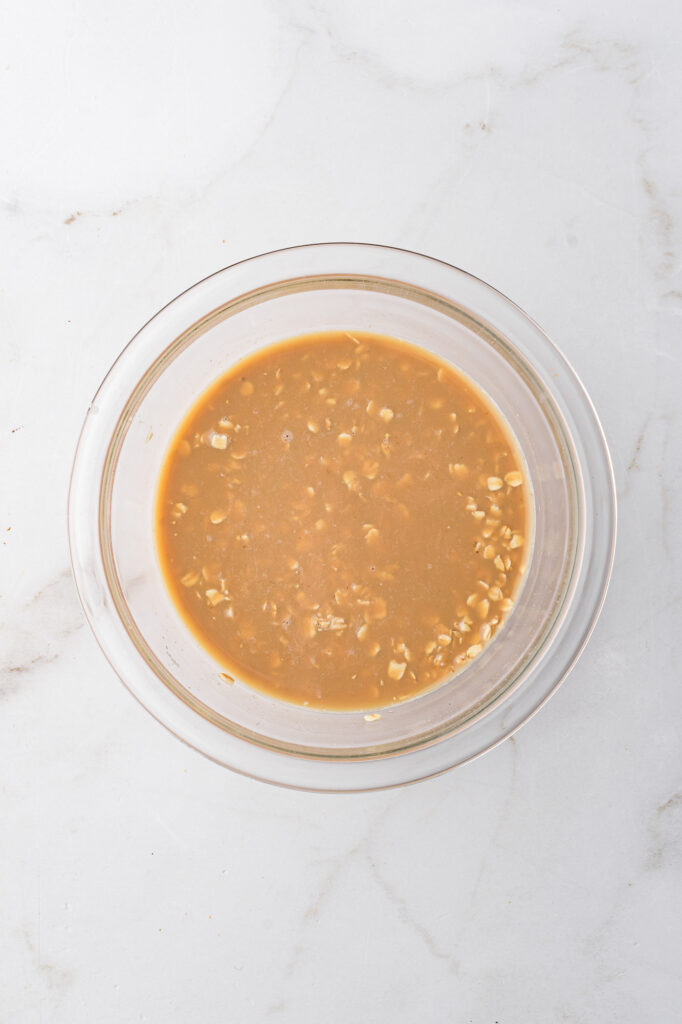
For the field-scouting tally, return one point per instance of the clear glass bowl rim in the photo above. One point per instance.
(496, 723)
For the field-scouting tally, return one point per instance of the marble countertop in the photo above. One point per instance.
(145, 146)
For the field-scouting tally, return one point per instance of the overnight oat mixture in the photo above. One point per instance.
(342, 521)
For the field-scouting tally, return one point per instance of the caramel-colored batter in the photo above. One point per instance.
(341, 520)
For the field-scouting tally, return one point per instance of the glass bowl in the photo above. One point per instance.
(160, 374)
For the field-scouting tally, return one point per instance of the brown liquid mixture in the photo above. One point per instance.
(341, 521)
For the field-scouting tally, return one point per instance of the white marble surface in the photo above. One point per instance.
(146, 145)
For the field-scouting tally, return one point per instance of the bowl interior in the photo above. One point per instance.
(175, 380)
